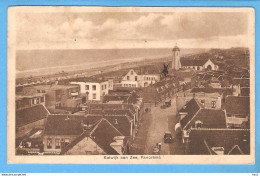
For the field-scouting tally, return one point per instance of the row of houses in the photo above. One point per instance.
(96, 128)
(214, 121)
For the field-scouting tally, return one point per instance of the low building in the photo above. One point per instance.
(198, 64)
(103, 139)
(237, 109)
(93, 88)
(204, 141)
(30, 118)
(60, 131)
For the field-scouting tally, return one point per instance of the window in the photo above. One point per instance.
(94, 96)
(213, 104)
(132, 72)
(57, 143)
(105, 86)
(128, 78)
(49, 143)
(202, 101)
(135, 78)
(87, 87)
(94, 87)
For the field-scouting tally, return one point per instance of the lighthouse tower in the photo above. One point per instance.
(176, 63)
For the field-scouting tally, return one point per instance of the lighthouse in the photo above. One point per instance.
(176, 63)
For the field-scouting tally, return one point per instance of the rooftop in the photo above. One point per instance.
(210, 118)
(202, 141)
(89, 79)
(30, 115)
(64, 124)
(238, 105)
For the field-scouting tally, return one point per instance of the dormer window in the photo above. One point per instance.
(198, 124)
(116, 122)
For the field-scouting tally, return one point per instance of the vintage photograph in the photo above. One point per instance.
(151, 85)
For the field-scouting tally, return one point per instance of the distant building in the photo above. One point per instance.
(237, 110)
(58, 96)
(94, 89)
(133, 79)
(203, 141)
(197, 64)
(176, 63)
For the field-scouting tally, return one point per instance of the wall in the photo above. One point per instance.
(84, 147)
(53, 137)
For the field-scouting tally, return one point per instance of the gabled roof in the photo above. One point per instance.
(121, 122)
(191, 108)
(238, 105)
(226, 138)
(30, 115)
(210, 118)
(102, 134)
(64, 124)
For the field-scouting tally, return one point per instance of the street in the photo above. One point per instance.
(151, 131)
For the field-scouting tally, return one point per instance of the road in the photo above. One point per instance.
(151, 131)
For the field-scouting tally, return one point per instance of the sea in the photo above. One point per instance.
(41, 62)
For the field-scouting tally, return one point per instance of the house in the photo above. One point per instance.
(198, 64)
(237, 110)
(93, 88)
(60, 130)
(30, 118)
(193, 115)
(103, 139)
(208, 98)
(138, 79)
(203, 141)
(59, 96)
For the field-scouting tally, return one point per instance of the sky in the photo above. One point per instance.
(102, 30)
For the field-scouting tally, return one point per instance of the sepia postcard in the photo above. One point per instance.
(131, 85)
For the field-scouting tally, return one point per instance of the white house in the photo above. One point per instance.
(133, 79)
(95, 89)
(198, 64)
